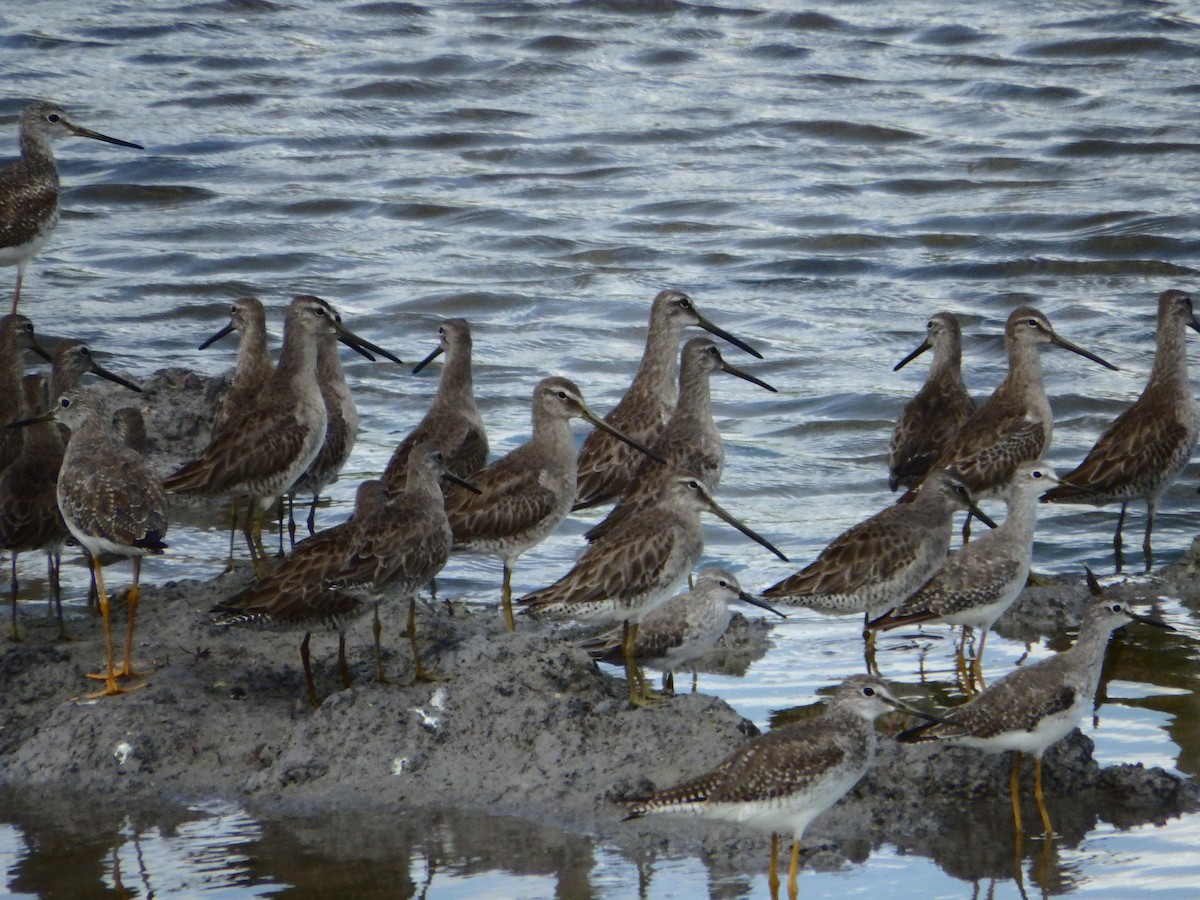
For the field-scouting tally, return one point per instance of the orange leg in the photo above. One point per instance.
(1040, 797)
(794, 871)
(1014, 788)
(773, 873)
(127, 670)
(109, 677)
(506, 598)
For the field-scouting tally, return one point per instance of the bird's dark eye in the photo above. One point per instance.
(1116, 607)
(685, 303)
(53, 117)
(84, 351)
(1032, 323)
(562, 395)
(1037, 474)
(929, 324)
(868, 692)
(694, 485)
(441, 331)
(65, 402)
(723, 583)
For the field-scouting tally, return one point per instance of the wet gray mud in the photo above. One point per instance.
(522, 725)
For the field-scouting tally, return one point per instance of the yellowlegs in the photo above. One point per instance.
(342, 429)
(262, 451)
(1142, 453)
(525, 495)
(452, 421)
(690, 442)
(29, 517)
(931, 420)
(634, 567)
(1014, 424)
(112, 503)
(1033, 707)
(606, 467)
(29, 186)
(782, 780)
(684, 628)
(874, 565)
(983, 579)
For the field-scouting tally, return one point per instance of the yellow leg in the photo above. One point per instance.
(794, 871)
(506, 598)
(109, 677)
(1040, 797)
(977, 664)
(1014, 788)
(773, 872)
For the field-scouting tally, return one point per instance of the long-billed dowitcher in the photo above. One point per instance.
(874, 565)
(690, 442)
(342, 429)
(1035, 706)
(1014, 424)
(112, 503)
(16, 336)
(29, 204)
(452, 421)
(253, 368)
(262, 451)
(129, 428)
(525, 495)
(606, 467)
(29, 516)
(70, 360)
(684, 628)
(983, 579)
(1142, 453)
(782, 780)
(930, 420)
(636, 565)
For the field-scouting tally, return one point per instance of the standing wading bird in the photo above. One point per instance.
(342, 429)
(1141, 454)
(29, 203)
(1013, 425)
(452, 420)
(690, 442)
(634, 567)
(525, 495)
(112, 503)
(16, 336)
(606, 467)
(782, 780)
(263, 450)
(684, 628)
(984, 578)
(931, 420)
(1035, 706)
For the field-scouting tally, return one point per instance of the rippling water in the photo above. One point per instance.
(820, 180)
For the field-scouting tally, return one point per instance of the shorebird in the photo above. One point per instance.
(1035, 706)
(452, 421)
(342, 429)
(880, 561)
(390, 543)
(684, 628)
(16, 336)
(690, 442)
(29, 517)
(636, 565)
(983, 579)
(254, 367)
(70, 360)
(782, 780)
(1013, 425)
(931, 420)
(29, 204)
(262, 451)
(605, 466)
(129, 428)
(1141, 454)
(112, 503)
(525, 495)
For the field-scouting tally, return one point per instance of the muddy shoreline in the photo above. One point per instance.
(524, 724)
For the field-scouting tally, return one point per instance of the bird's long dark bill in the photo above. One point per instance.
(1086, 354)
(912, 711)
(462, 482)
(744, 529)
(761, 604)
(216, 337)
(746, 376)
(604, 426)
(981, 515)
(32, 420)
(1193, 324)
(113, 377)
(725, 335)
(95, 135)
(1146, 620)
(904, 362)
(427, 360)
(362, 346)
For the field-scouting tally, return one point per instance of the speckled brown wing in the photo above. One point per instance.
(1134, 449)
(612, 568)
(28, 197)
(989, 460)
(511, 501)
(404, 547)
(463, 445)
(606, 465)
(29, 516)
(329, 459)
(249, 450)
(956, 588)
(867, 553)
(123, 502)
(927, 428)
